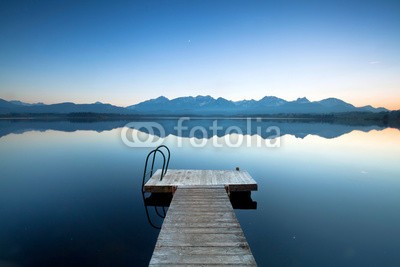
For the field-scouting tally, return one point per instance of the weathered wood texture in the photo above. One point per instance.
(201, 229)
(234, 180)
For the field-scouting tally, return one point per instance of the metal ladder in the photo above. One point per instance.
(163, 172)
(165, 163)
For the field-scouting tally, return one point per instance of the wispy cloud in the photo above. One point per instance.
(374, 62)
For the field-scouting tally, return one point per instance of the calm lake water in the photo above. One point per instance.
(328, 196)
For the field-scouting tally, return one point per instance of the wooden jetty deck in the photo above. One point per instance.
(234, 180)
(201, 229)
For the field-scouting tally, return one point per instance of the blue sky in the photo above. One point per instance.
(125, 52)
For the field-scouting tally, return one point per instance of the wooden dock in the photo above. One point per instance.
(233, 180)
(201, 229)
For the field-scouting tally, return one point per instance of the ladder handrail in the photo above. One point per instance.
(165, 163)
(152, 164)
(169, 156)
(154, 152)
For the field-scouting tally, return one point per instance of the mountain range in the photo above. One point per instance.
(199, 105)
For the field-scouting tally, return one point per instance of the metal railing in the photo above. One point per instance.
(166, 155)
(164, 166)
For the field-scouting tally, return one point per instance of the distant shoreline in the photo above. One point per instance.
(352, 114)
(125, 117)
(388, 119)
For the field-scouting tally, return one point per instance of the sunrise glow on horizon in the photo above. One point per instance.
(126, 52)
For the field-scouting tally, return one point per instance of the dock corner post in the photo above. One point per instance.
(174, 188)
(228, 191)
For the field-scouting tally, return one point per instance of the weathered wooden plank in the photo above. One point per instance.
(185, 216)
(205, 230)
(198, 202)
(199, 195)
(201, 229)
(200, 207)
(173, 258)
(189, 199)
(204, 250)
(180, 209)
(203, 225)
(202, 240)
(199, 220)
(204, 206)
(208, 213)
(198, 265)
(234, 180)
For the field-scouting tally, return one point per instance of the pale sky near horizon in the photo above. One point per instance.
(124, 52)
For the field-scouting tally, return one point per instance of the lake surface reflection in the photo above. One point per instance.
(70, 194)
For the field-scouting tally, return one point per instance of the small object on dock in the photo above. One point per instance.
(201, 229)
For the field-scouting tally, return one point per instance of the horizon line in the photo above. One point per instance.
(172, 98)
